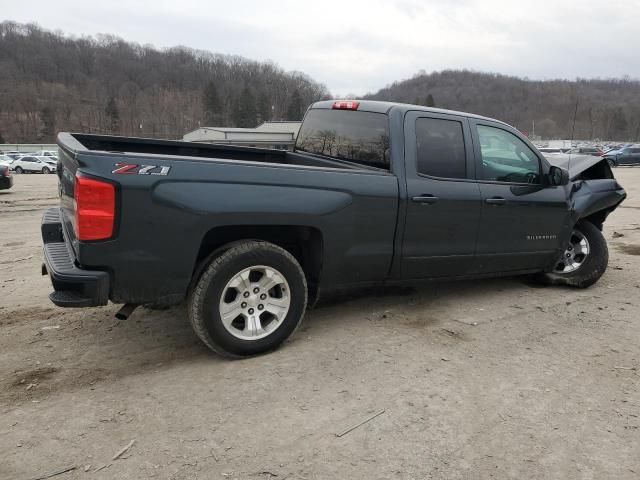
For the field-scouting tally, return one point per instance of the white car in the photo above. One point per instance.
(15, 154)
(33, 164)
(5, 160)
(46, 153)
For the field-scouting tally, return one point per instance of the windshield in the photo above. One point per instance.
(361, 137)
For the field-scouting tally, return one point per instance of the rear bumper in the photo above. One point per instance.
(73, 286)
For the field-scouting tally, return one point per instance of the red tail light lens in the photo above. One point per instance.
(345, 105)
(95, 203)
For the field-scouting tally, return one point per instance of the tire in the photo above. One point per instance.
(612, 163)
(591, 268)
(214, 291)
(19, 170)
(45, 170)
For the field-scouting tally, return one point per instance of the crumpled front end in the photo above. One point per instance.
(594, 191)
(595, 199)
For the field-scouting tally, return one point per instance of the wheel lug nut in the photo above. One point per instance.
(260, 307)
(245, 294)
(263, 296)
(251, 311)
(256, 290)
(243, 304)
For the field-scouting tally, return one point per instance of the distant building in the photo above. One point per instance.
(278, 135)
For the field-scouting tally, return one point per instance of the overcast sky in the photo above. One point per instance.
(360, 46)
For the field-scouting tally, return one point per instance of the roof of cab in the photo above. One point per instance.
(376, 106)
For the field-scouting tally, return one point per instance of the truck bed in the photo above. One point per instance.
(178, 149)
(165, 223)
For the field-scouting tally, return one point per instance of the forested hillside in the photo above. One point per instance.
(50, 82)
(607, 109)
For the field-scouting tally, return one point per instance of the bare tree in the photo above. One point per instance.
(607, 109)
(103, 84)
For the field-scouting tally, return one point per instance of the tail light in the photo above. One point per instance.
(345, 105)
(6, 172)
(95, 206)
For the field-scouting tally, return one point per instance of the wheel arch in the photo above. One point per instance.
(597, 218)
(303, 242)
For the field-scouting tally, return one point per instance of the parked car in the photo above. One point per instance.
(5, 160)
(547, 150)
(32, 164)
(6, 180)
(374, 193)
(15, 154)
(46, 153)
(51, 160)
(624, 156)
(596, 152)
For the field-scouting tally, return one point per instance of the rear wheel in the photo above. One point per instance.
(584, 259)
(612, 163)
(46, 170)
(19, 170)
(248, 300)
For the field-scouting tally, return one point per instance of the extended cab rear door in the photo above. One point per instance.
(443, 199)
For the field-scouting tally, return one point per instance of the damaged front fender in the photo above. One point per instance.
(593, 190)
(595, 199)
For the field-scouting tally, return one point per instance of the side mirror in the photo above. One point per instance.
(558, 176)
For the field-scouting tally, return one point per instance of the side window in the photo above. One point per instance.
(506, 158)
(440, 148)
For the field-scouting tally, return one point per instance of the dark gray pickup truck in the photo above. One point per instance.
(373, 193)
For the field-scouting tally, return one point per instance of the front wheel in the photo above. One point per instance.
(46, 170)
(19, 170)
(584, 259)
(612, 163)
(248, 300)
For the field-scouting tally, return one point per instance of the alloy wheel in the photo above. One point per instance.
(575, 254)
(255, 302)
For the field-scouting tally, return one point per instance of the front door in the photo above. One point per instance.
(523, 220)
(443, 199)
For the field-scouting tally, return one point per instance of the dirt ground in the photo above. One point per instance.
(486, 379)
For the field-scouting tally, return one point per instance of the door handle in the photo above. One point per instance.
(425, 199)
(495, 201)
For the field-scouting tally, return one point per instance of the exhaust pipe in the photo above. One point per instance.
(126, 310)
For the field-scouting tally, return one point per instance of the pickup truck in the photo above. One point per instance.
(373, 193)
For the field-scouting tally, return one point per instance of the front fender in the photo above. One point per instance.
(599, 196)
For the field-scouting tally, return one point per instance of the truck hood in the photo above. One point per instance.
(575, 164)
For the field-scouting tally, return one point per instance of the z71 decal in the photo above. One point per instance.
(131, 169)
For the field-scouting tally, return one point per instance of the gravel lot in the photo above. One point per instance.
(487, 379)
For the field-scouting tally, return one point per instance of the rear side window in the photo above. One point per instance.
(440, 147)
(360, 137)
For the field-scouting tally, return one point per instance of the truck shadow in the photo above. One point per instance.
(91, 346)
